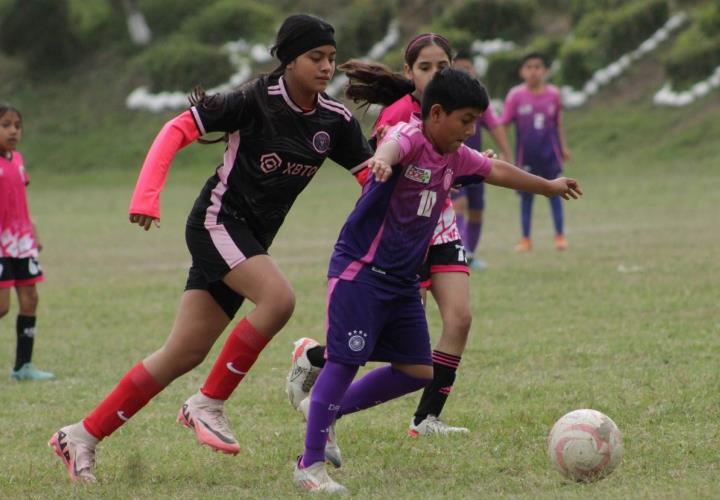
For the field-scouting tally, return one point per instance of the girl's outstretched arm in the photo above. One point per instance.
(176, 134)
(506, 175)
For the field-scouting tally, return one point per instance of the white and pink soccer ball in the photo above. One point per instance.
(585, 445)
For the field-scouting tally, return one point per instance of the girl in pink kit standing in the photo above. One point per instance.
(536, 110)
(19, 246)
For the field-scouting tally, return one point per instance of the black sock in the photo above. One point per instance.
(25, 328)
(316, 355)
(436, 393)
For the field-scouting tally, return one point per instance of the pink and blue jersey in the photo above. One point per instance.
(386, 237)
(17, 236)
(402, 110)
(536, 117)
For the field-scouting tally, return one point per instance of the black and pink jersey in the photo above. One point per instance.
(17, 236)
(264, 167)
(386, 237)
(262, 174)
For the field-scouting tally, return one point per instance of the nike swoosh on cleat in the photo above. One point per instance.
(221, 437)
(234, 370)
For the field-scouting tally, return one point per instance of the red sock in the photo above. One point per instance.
(133, 392)
(239, 353)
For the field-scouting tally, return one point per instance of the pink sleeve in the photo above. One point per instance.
(176, 134)
(508, 114)
(402, 134)
(489, 118)
(473, 163)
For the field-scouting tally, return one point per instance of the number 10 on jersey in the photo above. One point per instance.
(427, 202)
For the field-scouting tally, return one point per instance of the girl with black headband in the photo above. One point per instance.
(279, 129)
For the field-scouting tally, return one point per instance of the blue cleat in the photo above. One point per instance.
(28, 371)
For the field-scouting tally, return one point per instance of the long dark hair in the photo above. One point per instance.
(375, 83)
(292, 29)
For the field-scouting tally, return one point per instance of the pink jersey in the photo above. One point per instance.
(17, 236)
(536, 117)
(385, 238)
(401, 111)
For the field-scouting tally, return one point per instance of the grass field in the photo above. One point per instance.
(552, 332)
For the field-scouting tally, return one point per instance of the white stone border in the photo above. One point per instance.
(666, 96)
(239, 53)
(575, 98)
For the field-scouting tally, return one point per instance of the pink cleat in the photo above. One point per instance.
(205, 416)
(76, 448)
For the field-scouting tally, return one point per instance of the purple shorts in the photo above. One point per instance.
(366, 323)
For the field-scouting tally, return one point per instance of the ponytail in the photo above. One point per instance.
(374, 83)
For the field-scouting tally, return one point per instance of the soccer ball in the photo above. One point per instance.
(585, 445)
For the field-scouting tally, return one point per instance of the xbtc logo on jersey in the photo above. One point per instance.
(270, 162)
(356, 343)
(321, 142)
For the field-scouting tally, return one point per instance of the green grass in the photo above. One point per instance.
(552, 332)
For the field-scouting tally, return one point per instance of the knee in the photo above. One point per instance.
(28, 302)
(425, 374)
(458, 322)
(283, 304)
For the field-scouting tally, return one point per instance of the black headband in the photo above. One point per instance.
(315, 36)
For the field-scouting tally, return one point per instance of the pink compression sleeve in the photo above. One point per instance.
(175, 135)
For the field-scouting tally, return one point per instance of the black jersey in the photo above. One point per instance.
(264, 170)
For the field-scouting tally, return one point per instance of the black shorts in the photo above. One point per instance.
(443, 258)
(215, 250)
(19, 272)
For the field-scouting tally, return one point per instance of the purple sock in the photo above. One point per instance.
(378, 386)
(471, 238)
(557, 213)
(334, 380)
(526, 201)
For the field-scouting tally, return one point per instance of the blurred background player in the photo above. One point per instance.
(445, 270)
(469, 201)
(536, 109)
(288, 128)
(19, 246)
(374, 309)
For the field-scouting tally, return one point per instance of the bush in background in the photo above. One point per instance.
(181, 64)
(693, 57)
(38, 32)
(229, 20)
(489, 19)
(167, 16)
(361, 25)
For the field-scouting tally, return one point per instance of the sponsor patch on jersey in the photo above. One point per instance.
(417, 174)
(321, 142)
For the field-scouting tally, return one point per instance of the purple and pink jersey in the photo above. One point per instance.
(401, 110)
(17, 237)
(536, 117)
(386, 237)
